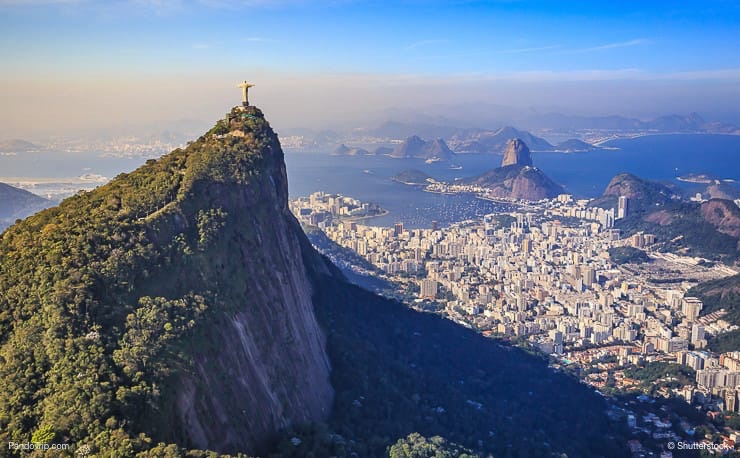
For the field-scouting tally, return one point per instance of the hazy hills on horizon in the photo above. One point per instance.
(416, 148)
(465, 135)
(17, 145)
(463, 130)
(16, 203)
(484, 116)
(462, 139)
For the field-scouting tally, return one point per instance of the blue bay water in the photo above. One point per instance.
(51, 164)
(369, 179)
(656, 157)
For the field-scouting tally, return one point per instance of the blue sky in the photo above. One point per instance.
(526, 44)
(422, 37)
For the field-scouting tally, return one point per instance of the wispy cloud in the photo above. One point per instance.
(159, 6)
(618, 44)
(36, 2)
(200, 46)
(237, 4)
(624, 74)
(258, 39)
(535, 49)
(479, 53)
(422, 43)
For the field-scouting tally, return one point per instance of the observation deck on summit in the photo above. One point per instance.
(245, 96)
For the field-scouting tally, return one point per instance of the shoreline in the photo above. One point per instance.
(655, 134)
(703, 180)
(408, 183)
(383, 212)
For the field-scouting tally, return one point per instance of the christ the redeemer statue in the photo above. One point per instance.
(245, 87)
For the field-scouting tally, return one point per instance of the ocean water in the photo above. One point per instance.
(654, 157)
(657, 157)
(50, 164)
(369, 179)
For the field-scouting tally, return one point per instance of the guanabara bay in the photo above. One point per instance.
(179, 310)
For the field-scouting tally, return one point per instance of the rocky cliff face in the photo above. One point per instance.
(519, 182)
(267, 368)
(517, 178)
(516, 153)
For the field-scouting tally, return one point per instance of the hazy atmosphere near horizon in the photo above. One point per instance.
(71, 66)
(346, 228)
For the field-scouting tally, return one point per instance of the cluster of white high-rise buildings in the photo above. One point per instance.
(539, 279)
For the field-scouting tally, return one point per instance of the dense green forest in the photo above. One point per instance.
(628, 254)
(687, 233)
(723, 293)
(658, 374)
(417, 446)
(644, 195)
(87, 338)
(677, 225)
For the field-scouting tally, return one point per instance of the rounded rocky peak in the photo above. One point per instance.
(516, 153)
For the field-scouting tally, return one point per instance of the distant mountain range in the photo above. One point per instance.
(415, 147)
(461, 141)
(692, 122)
(344, 150)
(397, 129)
(482, 140)
(475, 140)
(17, 203)
(17, 146)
